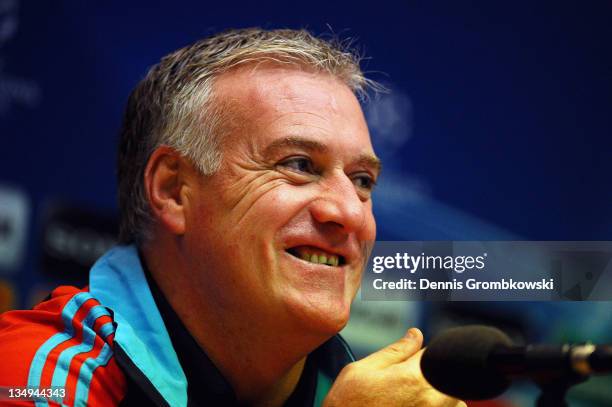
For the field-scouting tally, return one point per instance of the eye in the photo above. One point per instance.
(299, 164)
(364, 181)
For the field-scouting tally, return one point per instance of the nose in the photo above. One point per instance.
(340, 205)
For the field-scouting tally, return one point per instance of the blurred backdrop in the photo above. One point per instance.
(498, 126)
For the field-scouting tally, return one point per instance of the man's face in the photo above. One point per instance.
(282, 231)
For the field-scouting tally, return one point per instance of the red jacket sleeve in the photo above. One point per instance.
(65, 342)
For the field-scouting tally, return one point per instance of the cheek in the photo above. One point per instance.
(368, 233)
(275, 209)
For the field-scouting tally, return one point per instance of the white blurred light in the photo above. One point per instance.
(390, 120)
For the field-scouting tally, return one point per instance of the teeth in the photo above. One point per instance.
(318, 258)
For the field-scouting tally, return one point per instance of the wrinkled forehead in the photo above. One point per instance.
(272, 96)
(285, 90)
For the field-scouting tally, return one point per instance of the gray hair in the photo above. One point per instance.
(174, 104)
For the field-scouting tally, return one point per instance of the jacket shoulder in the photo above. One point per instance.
(64, 342)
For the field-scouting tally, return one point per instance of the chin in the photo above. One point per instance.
(336, 325)
(323, 318)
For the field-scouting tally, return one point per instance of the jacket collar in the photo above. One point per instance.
(117, 280)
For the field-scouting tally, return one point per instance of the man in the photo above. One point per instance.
(245, 179)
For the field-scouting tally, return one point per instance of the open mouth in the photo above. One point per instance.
(317, 256)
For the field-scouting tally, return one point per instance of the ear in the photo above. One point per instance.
(164, 178)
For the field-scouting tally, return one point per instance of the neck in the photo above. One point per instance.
(262, 360)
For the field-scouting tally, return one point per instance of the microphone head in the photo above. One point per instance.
(455, 362)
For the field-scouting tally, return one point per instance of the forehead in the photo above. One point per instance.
(285, 101)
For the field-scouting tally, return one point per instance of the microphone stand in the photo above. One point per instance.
(554, 389)
(551, 367)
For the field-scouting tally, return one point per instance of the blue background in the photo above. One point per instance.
(498, 125)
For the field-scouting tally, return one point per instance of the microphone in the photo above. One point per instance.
(478, 362)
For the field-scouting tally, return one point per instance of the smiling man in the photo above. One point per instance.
(245, 178)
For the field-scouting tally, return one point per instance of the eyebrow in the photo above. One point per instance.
(368, 160)
(306, 144)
